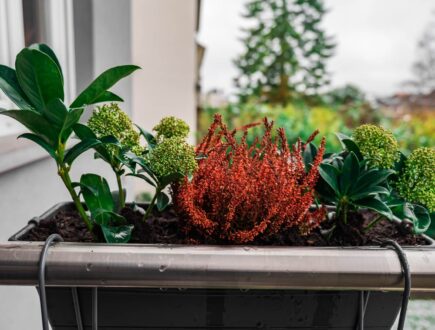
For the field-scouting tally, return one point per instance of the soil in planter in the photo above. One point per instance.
(163, 228)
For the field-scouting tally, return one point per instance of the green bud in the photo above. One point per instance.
(172, 155)
(109, 119)
(170, 127)
(377, 144)
(417, 179)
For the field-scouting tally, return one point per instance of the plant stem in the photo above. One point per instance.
(121, 194)
(152, 203)
(373, 222)
(63, 173)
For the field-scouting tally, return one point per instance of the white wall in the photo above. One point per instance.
(163, 44)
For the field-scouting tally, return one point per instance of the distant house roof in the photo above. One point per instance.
(409, 100)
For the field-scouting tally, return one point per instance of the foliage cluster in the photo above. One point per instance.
(242, 192)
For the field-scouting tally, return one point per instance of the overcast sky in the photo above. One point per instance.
(376, 41)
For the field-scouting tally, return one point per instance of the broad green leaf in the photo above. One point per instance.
(10, 86)
(98, 197)
(370, 191)
(35, 123)
(80, 148)
(151, 140)
(48, 51)
(38, 140)
(39, 77)
(370, 178)
(349, 144)
(118, 234)
(108, 96)
(162, 201)
(417, 214)
(101, 84)
(108, 218)
(55, 112)
(71, 119)
(349, 173)
(375, 205)
(330, 174)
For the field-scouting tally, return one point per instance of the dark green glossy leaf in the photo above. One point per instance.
(98, 197)
(80, 148)
(48, 51)
(118, 234)
(72, 118)
(55, 112)
(371, 191)
(38, 140)
(39, 77)
(35, 123)
(375, 205)
(330, 174)
(162, 201)
(370, 178)
(417, 214)
(151, 140)
(108, 97)
(101, 84)
(10, 86)
(349, 173)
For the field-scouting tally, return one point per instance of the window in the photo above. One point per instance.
(25, 22)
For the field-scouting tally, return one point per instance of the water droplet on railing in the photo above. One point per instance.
(88, 267)
(162, 268)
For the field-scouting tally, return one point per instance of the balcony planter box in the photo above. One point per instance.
(143, 286)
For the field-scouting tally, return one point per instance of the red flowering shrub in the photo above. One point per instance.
(240, 192)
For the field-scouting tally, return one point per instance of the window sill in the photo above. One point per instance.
(17, 153)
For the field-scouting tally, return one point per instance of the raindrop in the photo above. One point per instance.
(88, 267)
(162, 268)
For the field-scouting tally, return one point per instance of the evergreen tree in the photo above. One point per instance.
(286, 50)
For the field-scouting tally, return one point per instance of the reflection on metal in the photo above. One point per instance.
(79, 264)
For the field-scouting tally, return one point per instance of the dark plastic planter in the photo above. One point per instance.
(217, 287)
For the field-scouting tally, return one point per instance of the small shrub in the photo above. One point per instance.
(417, 180)
(240, 192)
(377, 144)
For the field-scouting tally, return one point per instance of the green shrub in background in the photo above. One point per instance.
(299, 120)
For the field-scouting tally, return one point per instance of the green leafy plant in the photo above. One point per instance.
(349, 184)
(168, 160)
(102, 206)
(110, 120)
(36, 87)
(351, 181)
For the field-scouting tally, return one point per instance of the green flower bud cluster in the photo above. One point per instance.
(170, 127)
(172, 155)
(109, 119)
(417, 180)
(377, 144)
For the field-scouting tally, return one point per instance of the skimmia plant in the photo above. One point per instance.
(168, 159)
(36, 87)
(371, 173)
(110, 121)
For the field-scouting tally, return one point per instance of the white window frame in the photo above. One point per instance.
(60, 36)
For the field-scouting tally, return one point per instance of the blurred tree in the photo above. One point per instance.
(423, 68)
(285, 51)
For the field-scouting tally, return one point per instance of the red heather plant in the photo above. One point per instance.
(240, 192)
